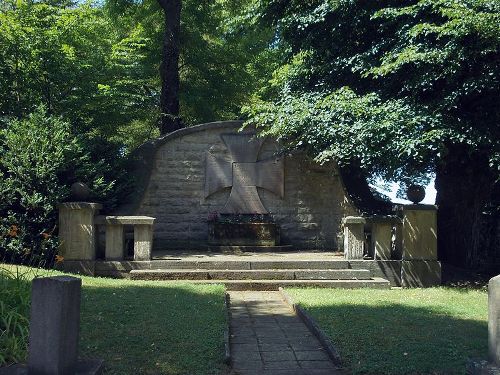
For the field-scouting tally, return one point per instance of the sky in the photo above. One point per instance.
(430, 193)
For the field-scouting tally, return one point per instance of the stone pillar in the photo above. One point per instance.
(420, 267)
(54, 325)
(382, 237)
(143, 241)
(494, 320)
(115, 240)
(354, 237)
(77, 231)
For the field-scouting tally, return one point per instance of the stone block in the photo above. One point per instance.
(382, 239)
(115, 239)
(494, 320)
(354, 237)
(77, 231)
(420, 273)
(143, 241)
(54, 325)
(419, 232)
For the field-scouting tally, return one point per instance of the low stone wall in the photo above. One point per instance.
(309, 214)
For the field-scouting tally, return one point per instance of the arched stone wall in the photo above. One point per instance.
(309, 215)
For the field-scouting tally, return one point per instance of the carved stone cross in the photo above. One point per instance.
(243, 173)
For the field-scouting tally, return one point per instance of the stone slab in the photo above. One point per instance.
(420, 273)
(128, 220)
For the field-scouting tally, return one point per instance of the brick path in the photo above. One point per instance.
(268, 338)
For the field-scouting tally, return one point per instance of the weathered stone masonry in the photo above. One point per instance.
(309, 215)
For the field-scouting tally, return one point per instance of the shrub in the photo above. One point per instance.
(40, 159)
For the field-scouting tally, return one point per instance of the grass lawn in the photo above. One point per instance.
(142, 327)
(401, 331)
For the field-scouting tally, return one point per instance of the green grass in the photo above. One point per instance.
(141, 327)
(401, 331)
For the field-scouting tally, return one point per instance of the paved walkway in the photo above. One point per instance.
(268, 338)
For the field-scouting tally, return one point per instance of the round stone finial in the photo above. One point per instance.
(415, 193)
(80, 192)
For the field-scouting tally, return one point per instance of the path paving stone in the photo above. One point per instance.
(268, 338)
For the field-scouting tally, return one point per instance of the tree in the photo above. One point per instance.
(169, 68)
(402, 89)
(221, 58)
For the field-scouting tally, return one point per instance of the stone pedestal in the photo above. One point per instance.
(354, 237)
(77, 231)
(419, 232)
(420, 267)
(494, 320)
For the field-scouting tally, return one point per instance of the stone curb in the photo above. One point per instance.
(314, 328)
(227, 346)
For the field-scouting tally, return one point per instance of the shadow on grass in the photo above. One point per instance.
(397, 339)
(174, 329)
(136, 327)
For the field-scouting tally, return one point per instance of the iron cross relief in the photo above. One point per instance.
(243, 174)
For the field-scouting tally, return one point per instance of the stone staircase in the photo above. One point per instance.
(252, 274)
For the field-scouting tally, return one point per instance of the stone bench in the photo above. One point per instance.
(115, 236)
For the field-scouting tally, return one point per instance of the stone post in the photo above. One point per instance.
(54, 325)
(54, 330)
(77, 230)
(420, 267)
(494, 320)
(143, 240)
(354, 237)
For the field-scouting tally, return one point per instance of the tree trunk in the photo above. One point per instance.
(169, 68)
(467, 223)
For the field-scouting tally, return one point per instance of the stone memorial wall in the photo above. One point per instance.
(192, 173)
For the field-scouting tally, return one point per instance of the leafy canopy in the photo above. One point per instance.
(388, 84)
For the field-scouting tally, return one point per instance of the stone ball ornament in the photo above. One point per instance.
(415, 193)
(80, 192)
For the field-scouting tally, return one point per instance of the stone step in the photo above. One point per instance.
(174, 264)
(375, 283)
(172, 274)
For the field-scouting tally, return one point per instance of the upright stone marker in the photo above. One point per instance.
(54, 331)
(54, 325)
(494, 320)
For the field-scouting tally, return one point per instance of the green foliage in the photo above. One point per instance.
(14, 315)
(222, 58)
(344, 126)
(40, 160)
(78, 65)
(420, 75)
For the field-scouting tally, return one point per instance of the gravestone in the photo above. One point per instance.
(54, 330)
